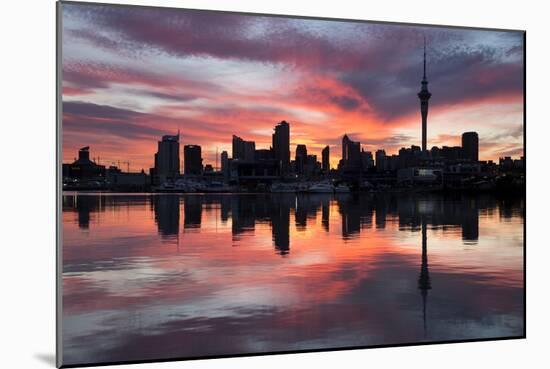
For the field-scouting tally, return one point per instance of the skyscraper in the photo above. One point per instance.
(281, 146)
(351, 152)
(243, 150)
(470, 146)
(192, 160)
(300, 159)
(325, 154)
(366, 160)
(424, 96)
(225, 164)
(167, 158)
(381, 160)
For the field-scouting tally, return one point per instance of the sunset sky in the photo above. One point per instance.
(133, 74)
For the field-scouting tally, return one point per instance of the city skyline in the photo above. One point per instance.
(333, 78)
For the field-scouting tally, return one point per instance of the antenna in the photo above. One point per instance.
(217, 168)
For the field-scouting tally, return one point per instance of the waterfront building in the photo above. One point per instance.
(225, 164)
(470, 146)
(243, 150)
(351, 153)
(325, 155)
(281, 146)
(300, 159)
(192, 157)
(381, 162)
(167, 158)
(367, 160)
(83, 167)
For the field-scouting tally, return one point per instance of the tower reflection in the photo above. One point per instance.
(424, 283)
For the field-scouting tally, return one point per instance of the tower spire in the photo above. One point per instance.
(424, 96)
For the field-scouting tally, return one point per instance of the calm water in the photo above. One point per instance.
(164, 276)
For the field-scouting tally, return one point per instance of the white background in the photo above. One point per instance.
(27, 196)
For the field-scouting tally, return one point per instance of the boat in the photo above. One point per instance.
(280, 187)
(321, 187)
(165, 187)
(216, 187)
(342, 188)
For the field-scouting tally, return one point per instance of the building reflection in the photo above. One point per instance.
(280, 223)
(167, 215)
(350, 213)
(325, 215)
(357, 213)
(192, 212)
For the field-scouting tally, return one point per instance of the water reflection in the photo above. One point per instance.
(424, 283)
(159, 276)
(356, 212)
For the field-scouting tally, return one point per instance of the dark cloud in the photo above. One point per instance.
(92, 76)
(346, 102)
(457, 76)
(380, 65)
(113, 123)
(107, 120)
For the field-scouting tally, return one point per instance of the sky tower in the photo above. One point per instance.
(424, 95)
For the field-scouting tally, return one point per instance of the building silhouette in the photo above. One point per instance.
(167, 158)
(263, 154)
(192, 160)
(243, 150)
(470, 146)
(381, 161)
(83, 167)
(281, 146)
(300, 159)
(351, 154)
(225, 164)
(424, 96)
(325, 155)
(367, 160)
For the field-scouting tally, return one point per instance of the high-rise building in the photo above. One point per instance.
(225, 164)
(281, 146)
(381, 161)
(470, 146)
(167, 158)
(311, 167)
(345, 141)
(325, 155)
(351, 153)
(424, 96)
(243, 150)
(300, 159)
(192, 160)
(367, 161)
